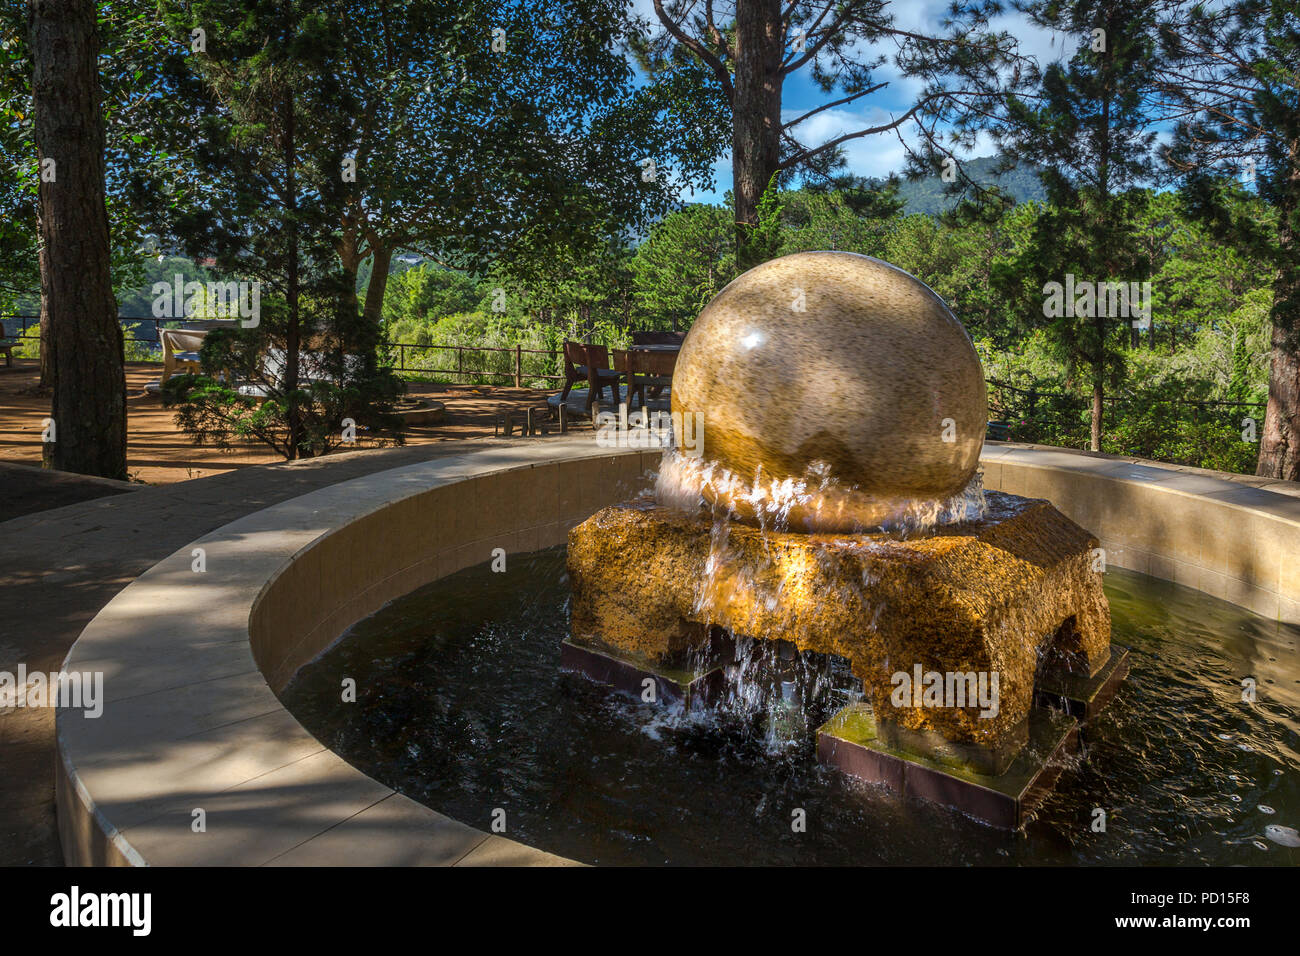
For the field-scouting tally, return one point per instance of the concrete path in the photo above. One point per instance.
(59, 567)
(25, 489)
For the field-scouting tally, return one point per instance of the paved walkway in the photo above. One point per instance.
(59, 567)
(28, 488)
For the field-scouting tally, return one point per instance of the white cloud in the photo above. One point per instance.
(876, 155)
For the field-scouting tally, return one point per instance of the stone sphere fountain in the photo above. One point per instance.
(834, 505)
(843, 366)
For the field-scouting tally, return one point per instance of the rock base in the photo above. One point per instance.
(983, 604)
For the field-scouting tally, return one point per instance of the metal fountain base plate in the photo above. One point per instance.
(850, 741)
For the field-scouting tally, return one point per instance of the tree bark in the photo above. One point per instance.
(1098, 382)
(81, 337)
(756, 126)
(293, 340)
(1279, 449)
(1097, 405)
(381, 262)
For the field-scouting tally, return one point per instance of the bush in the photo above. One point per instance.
(347, 384)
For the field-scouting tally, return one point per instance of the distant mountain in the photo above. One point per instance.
(926, 195)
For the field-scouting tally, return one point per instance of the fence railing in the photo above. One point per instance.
(1028, 406)
(27, 327)
(1032, 395)
(1020, 412)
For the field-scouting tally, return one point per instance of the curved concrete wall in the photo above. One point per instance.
(1204, 530)
(192, 661)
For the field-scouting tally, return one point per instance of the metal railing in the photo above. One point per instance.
(28, 328)
(1022, 413)
(1028, 406)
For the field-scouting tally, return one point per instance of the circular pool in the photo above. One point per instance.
(462, 705)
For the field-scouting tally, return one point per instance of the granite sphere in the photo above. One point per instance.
(842, 375)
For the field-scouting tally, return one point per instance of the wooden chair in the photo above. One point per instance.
(600, 374)
(590, 362)
(575, 367)
(623, 366)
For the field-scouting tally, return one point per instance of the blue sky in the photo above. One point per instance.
(881, 154)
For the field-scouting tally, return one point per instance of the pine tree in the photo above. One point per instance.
(1231, 77)
(1087, 127)
(271, 111)
(83, 344)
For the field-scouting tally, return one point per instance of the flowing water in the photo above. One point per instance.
(825, 503)
(462, 706)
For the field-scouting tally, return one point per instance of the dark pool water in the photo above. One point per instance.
(462, 706)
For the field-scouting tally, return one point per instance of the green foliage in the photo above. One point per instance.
(138, 168)
(272, 112)
(428, 290)
(136, 349)
(687, 259)
(242, 393)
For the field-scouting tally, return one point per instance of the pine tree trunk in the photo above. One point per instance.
(1279, 449)
(293, 340)
(756, 126)
(48, 376)
(1097, 405)
(81, 337)
(1098, 382)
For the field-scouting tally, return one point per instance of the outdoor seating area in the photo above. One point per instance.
(180, 355)
(640, 375)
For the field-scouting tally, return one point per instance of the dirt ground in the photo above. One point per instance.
(158, 453)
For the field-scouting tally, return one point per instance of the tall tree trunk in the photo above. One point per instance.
(1279, 449)
(756, 126)
(1098, 382)
(293, 341)
(48, 374)
(1097, 406)
(84, 340)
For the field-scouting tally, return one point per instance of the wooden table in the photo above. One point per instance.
(657, 373)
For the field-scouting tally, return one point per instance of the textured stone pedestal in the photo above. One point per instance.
(985, 597)
(851, 742)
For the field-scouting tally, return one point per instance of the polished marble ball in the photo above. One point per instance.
(844, 375)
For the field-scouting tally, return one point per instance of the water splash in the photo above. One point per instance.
(817, 496)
